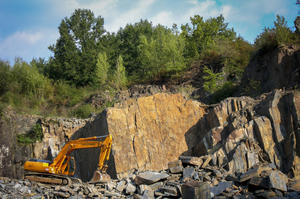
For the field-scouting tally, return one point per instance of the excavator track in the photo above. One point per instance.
(50, 178)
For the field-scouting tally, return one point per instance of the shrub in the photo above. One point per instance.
(35, 134)
(83, 111)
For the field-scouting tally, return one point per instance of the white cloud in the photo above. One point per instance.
(133, 15)
(27, 44)
(164, 18)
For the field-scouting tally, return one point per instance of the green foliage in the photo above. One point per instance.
(76, 50)
(34, 135)
(161, 54)
(272, 37)
(119, 76)
(129, 40)
(202, 35)
(28, 81)
(83, 111)
(5, 77)
(212, 81)
(102, 68)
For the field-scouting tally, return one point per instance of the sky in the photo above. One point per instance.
(28, 27)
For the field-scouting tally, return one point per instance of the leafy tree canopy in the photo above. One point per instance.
(76, 50)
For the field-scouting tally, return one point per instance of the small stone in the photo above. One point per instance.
(259, 182)
(196, 161)
(156, 186)
(176, 163)
(254, 172)
(188, 173)
(169, 190)
(222, 186)
(195, 190)
(143, 187)
(110, 185)
(62, 194)
(176, 169)
(206, 162)
(130, 188)
(149, 177)
(121, 186)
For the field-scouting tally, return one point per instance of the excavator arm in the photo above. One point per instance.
(61, 164)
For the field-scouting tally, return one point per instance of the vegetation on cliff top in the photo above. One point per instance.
(87, 60)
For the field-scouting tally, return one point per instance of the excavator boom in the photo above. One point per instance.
(64, 163)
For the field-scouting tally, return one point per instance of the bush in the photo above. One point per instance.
(272, 37)
(83, 111)
(35, 134)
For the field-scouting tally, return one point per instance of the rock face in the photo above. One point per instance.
(148, 132)
(56, 131)
(275, 69)
(297, 24)
(244, 132)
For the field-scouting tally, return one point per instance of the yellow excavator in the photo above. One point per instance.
(61, 170)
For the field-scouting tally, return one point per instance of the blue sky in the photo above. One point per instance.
(28, 27)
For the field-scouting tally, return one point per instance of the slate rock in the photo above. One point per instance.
(188, 173)
(222, 186)
(130, 188)
(278, 180)
(254, 172)
(195, 190)
(149, 177)
(169, 190)
(259, 182)
(121, 186)
(196, 161)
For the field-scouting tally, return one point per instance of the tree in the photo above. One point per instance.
(202, 35)
(129, 41)
(212, 81)
(76, 50)
(102, 67)
(119, 77)
(161, 54)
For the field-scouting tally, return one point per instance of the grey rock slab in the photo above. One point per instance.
(254, 172)
(130, 188)
(196, 161)
(169, 190)
(121, 186)
(222, 186)
(259, 182)
(149, 177)
(278, 180)
(143, 187)
(195, 190)
(188, 172)
(156, 186)
(177, 169)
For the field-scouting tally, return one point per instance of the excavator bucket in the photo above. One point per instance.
(99, 177)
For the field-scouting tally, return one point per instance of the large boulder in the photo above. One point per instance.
(148, 132)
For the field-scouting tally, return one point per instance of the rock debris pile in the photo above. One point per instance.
(187, 178)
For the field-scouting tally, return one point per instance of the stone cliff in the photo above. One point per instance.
(274, 69)
(148, 132)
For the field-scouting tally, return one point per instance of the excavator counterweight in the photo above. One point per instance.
(63, 167)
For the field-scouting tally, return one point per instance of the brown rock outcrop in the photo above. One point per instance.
(148, 132)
